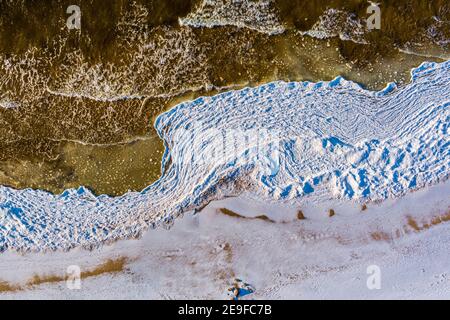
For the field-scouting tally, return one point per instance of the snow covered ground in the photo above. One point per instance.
(406, 240)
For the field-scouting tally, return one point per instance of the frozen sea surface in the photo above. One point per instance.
(293, 143)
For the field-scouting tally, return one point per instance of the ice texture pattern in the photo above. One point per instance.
(335, 140)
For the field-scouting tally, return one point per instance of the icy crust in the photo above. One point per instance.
(334, 140)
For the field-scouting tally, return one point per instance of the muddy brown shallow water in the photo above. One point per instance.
(78, 106)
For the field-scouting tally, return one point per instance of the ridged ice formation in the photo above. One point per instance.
(258, 15)
(333, 140)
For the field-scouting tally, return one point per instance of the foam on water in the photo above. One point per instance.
(149, 62)
(334, 140)
(338, 23)
(438, 32)
(257, 15)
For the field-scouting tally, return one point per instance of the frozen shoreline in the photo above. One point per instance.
(336, 141)
(318, 257)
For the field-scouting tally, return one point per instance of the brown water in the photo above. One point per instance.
(80, 105)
